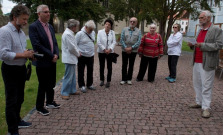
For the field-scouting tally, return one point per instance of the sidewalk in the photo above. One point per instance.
(140, 109)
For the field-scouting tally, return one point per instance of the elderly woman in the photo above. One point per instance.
(85, 41)
(106, 43)
(70, 53)
(150, 50)
(174, 44)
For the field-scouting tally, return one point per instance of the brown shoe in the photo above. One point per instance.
(65, 97)
(206, 114)
(76, 93)
(195, 106)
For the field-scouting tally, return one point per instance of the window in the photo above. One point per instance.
(182, 23)
(213, 19)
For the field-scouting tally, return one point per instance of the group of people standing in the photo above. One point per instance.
(78, 51)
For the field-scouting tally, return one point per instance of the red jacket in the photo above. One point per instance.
(151, 46)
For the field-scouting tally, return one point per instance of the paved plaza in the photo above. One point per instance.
(143, 108)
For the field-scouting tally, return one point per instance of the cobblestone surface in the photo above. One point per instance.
(140, 109)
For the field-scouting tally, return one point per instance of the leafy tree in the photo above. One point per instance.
(125, 9)
(1, 13)
(157, 10)
(81, 10)
(174, 9)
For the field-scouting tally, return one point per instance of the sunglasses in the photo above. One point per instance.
(174, 27)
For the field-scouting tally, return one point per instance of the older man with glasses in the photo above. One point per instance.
(130, 40)
(205, 60)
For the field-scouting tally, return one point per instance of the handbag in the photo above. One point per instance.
(114, 57)
(28, 71)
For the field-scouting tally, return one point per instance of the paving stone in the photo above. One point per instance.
(139, 109)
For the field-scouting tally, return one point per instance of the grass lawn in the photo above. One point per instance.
(185, 47)
(30, 90)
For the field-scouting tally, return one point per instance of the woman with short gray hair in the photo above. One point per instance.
(70, 54)
(85, 41)
(150, 50)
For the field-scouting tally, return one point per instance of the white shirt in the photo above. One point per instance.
(174, 44)
(105, 41)
(70, 50)
(84, 43)
(12, 41)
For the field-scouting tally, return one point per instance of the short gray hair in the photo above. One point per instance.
(90, 24)
(41, 7)
(72, 23)
(153, 25)
(207, 13)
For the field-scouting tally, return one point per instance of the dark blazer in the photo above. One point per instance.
(41, 44)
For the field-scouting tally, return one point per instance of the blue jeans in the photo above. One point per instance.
(69, 82)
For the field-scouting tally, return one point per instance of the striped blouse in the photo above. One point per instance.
(151, 46)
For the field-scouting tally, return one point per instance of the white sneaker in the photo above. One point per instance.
(129, 82)
(122, 82)
(83, 89)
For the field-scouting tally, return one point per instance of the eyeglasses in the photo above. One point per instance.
(201, 18)
(45, 12)
(174, 27)
(132, 21)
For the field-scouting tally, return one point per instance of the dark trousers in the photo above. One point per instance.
(127, 59)
(102, 57)
(14, 78)
(89, 62)
(172, 64)
(47, 81)
(151, 68)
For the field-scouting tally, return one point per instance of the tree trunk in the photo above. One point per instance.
(61, 26)
(162, 31)
(142, 27)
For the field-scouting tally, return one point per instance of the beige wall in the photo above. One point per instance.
(119, 25)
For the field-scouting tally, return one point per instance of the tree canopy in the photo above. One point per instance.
(81, 10)
(160, 11)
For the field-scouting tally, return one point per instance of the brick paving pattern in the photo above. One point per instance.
(140, 109)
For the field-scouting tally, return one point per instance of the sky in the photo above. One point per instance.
(7, 6)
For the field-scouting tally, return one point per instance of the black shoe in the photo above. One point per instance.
(102, 83)
(23, 124)
(107, 85)
(151, 81)
(91, 87)
(43, 111)
(53, 105)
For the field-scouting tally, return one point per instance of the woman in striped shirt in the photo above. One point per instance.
(150, 50)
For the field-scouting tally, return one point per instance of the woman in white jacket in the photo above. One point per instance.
(174, 44)
(106, 43)
(70, 54)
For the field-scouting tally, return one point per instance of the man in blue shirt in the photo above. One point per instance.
(14, 55)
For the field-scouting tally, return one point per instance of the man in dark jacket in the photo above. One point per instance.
(43, 40)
